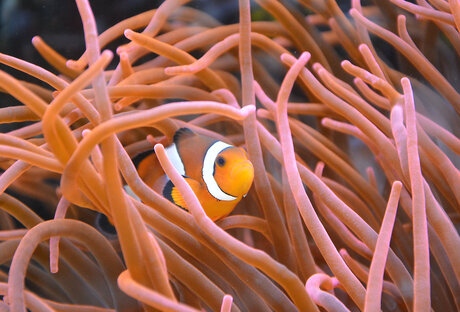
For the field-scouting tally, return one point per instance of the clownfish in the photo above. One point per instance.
(219, 174)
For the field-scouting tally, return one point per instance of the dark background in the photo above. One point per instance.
(59, 24)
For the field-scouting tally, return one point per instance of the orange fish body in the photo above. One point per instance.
(219, 174)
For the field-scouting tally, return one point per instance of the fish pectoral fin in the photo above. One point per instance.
(176, 196)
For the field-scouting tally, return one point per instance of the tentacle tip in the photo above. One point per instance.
(325, 121)
(151, 139)
(128, 34)
(317, 67)
(107, 53)
(287, 58)
(419, 17)
(397, 184)
(36, 40)
(363, 47)
(319, 169)
(71, 64)
(346, 64)
(304, 57)
(227, 300)
(228, 297)
(85, 132)
(247, 110)
(405, 80)
(401, 18)
(284, 56)
(75, 64)
(159, 148)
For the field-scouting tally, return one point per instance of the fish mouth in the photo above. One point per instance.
(243, 175)
(243, 170)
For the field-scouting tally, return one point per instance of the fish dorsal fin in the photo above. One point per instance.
(182, 134)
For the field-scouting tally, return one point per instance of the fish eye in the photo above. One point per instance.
(220, 161)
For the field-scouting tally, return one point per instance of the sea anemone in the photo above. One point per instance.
(348, 115)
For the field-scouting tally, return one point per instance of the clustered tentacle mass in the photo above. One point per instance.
(350, 120)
